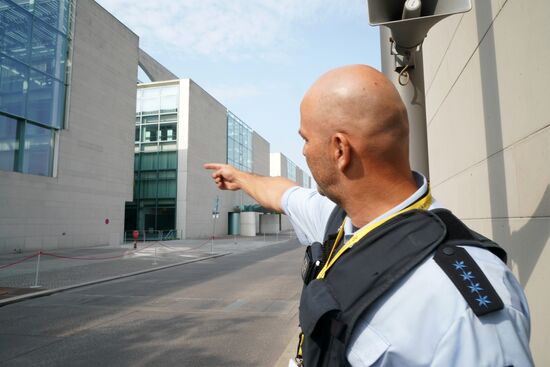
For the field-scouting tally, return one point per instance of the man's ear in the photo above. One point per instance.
(341, 150)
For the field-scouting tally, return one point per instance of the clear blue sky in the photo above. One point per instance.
(257, 57)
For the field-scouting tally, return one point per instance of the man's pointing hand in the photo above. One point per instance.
(225, 176)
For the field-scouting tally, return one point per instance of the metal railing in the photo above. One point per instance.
(154, 235)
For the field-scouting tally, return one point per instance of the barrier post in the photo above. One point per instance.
(155, 262)
(135, 235)
(37, 270)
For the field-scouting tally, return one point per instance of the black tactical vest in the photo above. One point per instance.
(330, 307)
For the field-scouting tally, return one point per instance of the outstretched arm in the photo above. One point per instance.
(267, 191)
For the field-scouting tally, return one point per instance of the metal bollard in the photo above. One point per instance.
(37, 270)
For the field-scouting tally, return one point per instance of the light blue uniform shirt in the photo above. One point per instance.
(424, 320)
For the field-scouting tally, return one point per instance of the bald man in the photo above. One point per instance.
(397, 281)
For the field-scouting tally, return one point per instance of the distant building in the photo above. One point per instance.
(281, 165)
(179, 127)
(70, 128)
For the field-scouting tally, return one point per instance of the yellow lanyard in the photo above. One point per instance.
(424, 203)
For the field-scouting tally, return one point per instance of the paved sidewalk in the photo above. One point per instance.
(64, 268)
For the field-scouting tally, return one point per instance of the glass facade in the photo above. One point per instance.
(34, 49)
(155, 164)
(239, 143)
(9, 144)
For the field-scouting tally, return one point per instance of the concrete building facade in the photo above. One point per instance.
(489, 136)
(61, 126)
(179, 128)
(281, 165)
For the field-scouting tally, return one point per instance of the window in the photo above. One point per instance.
(37, 158)
(34, 48)
(168, 118)
(239, 143)
(46, 99)
(149, 133)
(155, 167)
(155, 186)
(15, 31)
(9, 143)
(48, 50)
(169, 99)
(167, 132)
(13, 86)
(150, 101)
(157, 118)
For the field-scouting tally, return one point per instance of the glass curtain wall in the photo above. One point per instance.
(155, 165)
(34, 50)
(239, 143)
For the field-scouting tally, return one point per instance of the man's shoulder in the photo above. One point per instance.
(427, 304)
(308, 212)
(428, 283)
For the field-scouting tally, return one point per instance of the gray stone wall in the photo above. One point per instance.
(260, 149)
(94, 155)
(489, 135)
(207, 142)
(299, 176)
(153, 69)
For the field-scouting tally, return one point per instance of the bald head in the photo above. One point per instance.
(355, 132)
(361, 102)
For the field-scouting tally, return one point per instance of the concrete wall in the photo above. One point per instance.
(280, 165)
(489, 135)
(153, 69)
(260, 154)
(207, 142)
(275, 164)
(95, 152)
(202, 138)
(300, 176)
(183, 146)
(269, 223)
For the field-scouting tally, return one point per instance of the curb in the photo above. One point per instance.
(48, 292)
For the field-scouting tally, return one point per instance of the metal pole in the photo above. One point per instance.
(213, 232)
(155, 262)
(37, 270)
(413, 96)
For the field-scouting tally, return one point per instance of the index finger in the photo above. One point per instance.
(214, 166)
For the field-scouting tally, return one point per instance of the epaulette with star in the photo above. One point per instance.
(469, 279)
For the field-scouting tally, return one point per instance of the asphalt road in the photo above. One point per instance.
(236, 310)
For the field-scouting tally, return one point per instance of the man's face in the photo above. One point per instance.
(315, 150)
